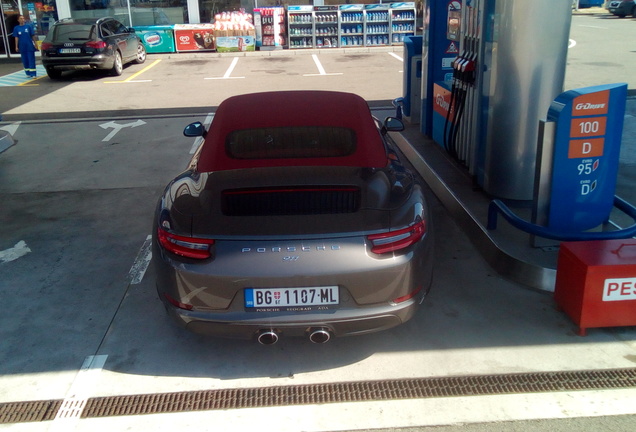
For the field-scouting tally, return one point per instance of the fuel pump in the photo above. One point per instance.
(464, 67)
(486, 102)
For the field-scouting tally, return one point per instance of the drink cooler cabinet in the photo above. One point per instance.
(271, 27)
(350, 25)
(596, 283)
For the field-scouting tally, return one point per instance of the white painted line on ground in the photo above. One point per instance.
(196, 144)
(117, 127)
(229, 71)
(321, 70)
(12, 128)
(199, 140)
(71, 409)
(596, 27)
(572, 43)
(12, 254)
(6, 141)
(139, 267)
(396, 56)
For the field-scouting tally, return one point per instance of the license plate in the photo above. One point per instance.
(70, 50)
(289, 298)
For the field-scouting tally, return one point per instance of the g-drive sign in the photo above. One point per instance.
(589, 125)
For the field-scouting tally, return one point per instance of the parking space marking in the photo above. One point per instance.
(199, 140)
(139, 267)
(321, 70)
(117, 127)
(228, 72)
(396, 56)
(12, 128)
(135, 75)
(20, 80)
(12, 254)
(75, 401)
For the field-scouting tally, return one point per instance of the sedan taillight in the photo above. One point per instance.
(190, 247)
(46, 46)
(96, 44)
(395, 240)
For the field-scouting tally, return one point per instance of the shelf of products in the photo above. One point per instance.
(350, 25)
(402, 22)
(326, 19)
(300, 21)
(377, 25)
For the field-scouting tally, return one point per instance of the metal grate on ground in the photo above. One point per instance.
(416, 388)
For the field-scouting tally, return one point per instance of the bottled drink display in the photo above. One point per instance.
(350, 25)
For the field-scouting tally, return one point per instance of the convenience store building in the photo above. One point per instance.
(134, 13)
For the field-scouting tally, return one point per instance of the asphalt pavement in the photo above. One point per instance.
(81, 327)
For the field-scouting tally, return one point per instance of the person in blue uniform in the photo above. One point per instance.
(25, 38)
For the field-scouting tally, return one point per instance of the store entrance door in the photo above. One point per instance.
(10, 12)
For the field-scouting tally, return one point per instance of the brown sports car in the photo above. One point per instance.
(295, 218)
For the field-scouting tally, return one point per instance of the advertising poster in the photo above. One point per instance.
(157, 39)
(194, 37)
(235, 43)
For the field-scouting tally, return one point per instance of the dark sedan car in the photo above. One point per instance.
(295, 217)
(90, 43)
(622, 8)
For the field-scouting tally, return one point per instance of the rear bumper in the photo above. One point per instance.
(78, 63)
(368, 288)
(248, 325)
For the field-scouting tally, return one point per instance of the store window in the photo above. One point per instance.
(209, 9)
(140, 13)
(40, 15)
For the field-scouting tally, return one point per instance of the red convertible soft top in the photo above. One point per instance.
(286, 109)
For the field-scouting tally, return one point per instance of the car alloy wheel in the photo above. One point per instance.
(141, 53)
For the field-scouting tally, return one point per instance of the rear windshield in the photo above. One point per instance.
(291, 142)
(73, 33)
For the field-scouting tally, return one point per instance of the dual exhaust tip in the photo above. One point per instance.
(316, 335)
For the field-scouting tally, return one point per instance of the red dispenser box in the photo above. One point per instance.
(596, 283)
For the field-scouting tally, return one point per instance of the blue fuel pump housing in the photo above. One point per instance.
(412, 76)
(591, 3)
(589, 127)
(440, 40)
(578, 167)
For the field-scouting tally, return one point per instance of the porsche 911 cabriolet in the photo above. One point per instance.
(295, 217)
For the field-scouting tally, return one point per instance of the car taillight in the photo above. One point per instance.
(408, 296)
(46, 46)
(190, 247)
(96, 44)
(178, 303)
(395, 240)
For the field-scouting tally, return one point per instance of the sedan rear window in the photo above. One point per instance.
(73, 33)
(291, 142)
